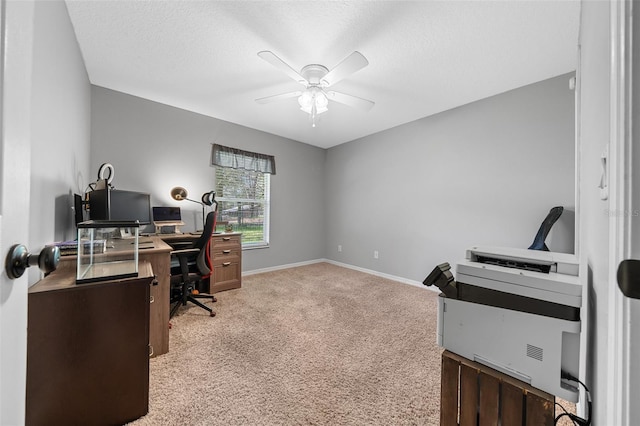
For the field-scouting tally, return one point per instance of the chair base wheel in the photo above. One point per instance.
(212, 314)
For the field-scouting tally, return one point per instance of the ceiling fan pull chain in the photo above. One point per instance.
(313, 112)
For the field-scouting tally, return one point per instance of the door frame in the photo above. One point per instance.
(620, 203)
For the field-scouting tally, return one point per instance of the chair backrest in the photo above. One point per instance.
(201, 244)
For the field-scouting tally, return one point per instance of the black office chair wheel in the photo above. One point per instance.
(213, 299)
(212, 314)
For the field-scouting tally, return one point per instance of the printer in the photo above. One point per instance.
(516, 311)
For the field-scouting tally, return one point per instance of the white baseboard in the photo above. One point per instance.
(383, 275)
(279, 267)
(345, 265)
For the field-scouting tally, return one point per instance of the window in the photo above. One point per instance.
(243, 201)
(242, 192)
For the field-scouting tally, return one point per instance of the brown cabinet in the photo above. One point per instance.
(88, 350)
(226, 257)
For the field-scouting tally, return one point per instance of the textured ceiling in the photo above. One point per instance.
(424, 56)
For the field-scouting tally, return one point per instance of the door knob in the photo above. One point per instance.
(19, 259)
(629, 278)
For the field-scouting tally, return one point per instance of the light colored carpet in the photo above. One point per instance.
(314, 345)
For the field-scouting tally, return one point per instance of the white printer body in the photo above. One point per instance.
(517, 311)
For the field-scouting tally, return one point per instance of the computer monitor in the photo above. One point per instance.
(167, 220)
(119, 205)
(163, 214)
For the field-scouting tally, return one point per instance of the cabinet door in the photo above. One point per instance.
(88, 354)
(159, 309)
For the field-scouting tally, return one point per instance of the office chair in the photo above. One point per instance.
(191, 268)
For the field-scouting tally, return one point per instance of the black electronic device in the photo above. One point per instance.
(442, 278)
(78, 208)
(162, 214)
(119, 205)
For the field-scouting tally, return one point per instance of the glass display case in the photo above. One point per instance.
(107, 250)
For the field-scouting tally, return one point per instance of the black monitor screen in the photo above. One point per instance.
(118, 205)
(167, 214)
(128, 205)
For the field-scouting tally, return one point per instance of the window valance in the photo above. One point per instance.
(225, 156)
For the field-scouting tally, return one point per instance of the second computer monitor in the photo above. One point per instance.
(164, 214)
(167, 220)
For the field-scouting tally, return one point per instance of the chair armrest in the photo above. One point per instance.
(184, 251)
(177, 245)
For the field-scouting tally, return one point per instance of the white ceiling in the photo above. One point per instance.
(424, 56)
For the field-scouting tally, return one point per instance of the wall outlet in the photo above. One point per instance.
(339, 248)
(375, 254)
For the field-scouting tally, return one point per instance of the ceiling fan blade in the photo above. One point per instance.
(350, 100)
(279, 97)
(352, 63)
(282, 66)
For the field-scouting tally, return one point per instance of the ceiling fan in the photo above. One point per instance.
(316, 79)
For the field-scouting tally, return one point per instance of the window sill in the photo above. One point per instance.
(255, 246)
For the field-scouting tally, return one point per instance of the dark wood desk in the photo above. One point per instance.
(226, 254)
(157, 253)
(88, 349)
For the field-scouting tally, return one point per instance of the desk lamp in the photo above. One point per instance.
(208, 198)
(179, 193)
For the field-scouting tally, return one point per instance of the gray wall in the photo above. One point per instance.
(154, 147)
(594, 226)
(486, 173)
(60, 127)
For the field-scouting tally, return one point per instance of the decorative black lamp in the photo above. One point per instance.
(208, 198)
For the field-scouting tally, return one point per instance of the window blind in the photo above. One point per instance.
(225, 156)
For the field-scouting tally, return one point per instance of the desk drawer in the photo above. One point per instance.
(227, 240)
(226, 276)
(220, 255)
(225, 262)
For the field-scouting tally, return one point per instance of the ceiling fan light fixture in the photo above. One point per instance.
(305, 100)
(313, 101)
(316, 78)
(321, 101)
